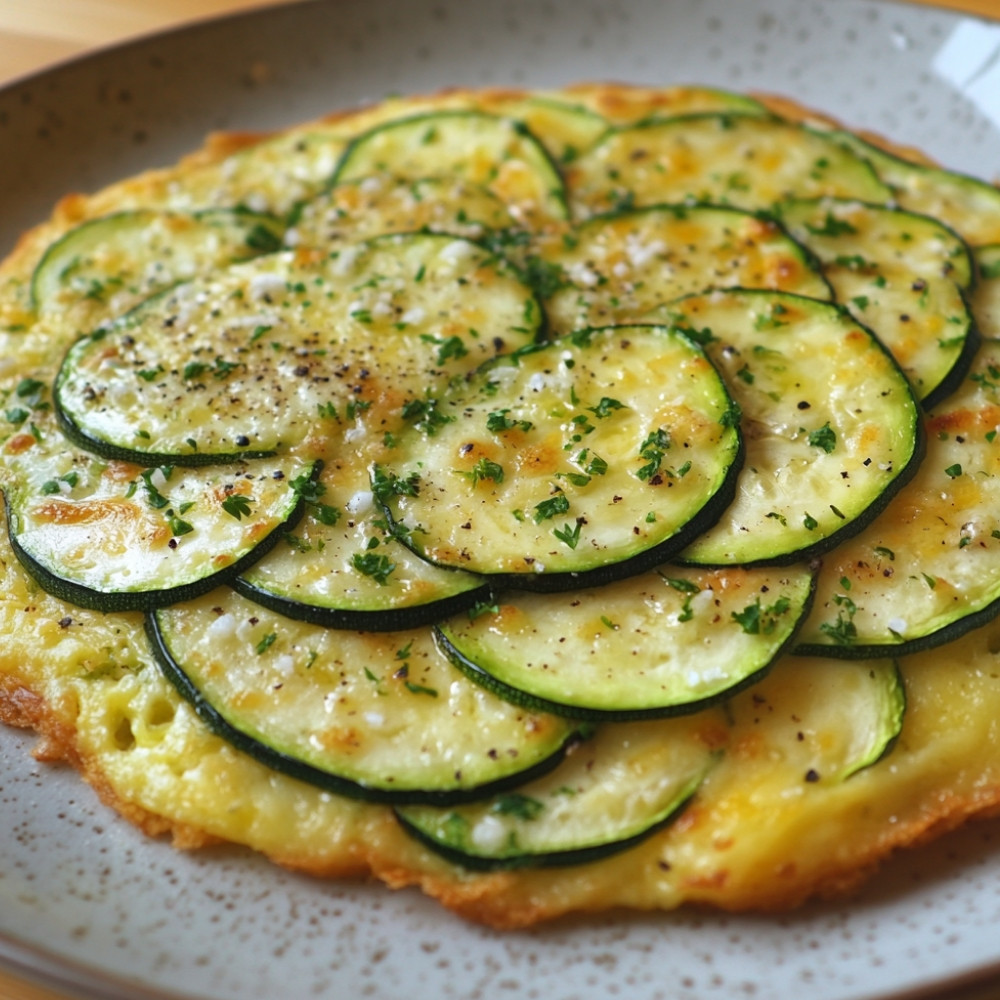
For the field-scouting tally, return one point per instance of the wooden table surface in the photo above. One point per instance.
(35, 34)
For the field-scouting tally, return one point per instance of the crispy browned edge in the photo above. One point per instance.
(495, 899)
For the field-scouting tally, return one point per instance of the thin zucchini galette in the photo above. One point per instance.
(558, 501)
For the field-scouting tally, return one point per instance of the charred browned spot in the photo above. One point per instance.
(761, 228)
(121, 472)
(20, 443)
(241, 486)
(959, 421)
(539, 458)
(56, 511)
(714, 735)
(305, 256)
(782, 271)
(506, 613)
(340, 739)
(748, 747)
(258, 530)
(716, 880)
(470, 452)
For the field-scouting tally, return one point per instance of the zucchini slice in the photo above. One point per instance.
(272, 175)
(106, 266)
(928, 569)
(615, 268)
(341, 568)
(986, 297)
(573, 463)
(611, 792)
(664, 643)
(831, 424)
(812, 722)
(565, 129)
(378, 716)
(631, 104)
(358, 210)
(745, 160)
(117, 538)
(901, 274)
(243, 361)
(496, 153)
(968, 205)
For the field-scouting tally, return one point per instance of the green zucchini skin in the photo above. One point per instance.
(125, 241)
(393, 619)
(905, 275)
(245, 358)
(546, 859)
(619, 266)
(628, 663)
(301, 771)
(626, 784)
(968, 205)
(468, 754)
(440, 143)
(565, 129)
(146, 596)
(765, 344)
(824, 721)
(341, 568)
(373, 206)
(925, 572)
(438, 487)
(624, 167)
(139, 600)
(80, 437)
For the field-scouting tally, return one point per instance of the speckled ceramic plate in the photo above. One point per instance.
(89, 905)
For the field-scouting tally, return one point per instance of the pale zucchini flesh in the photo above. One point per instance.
(810, 725)
(968, 205)
(565, 129)
(612, 791)
(381, 716)
(274, 174)
(247, 360)
(901, 274)
(579, 461)
(342, 568)
(615, 268)
(113, 536)
(927, 569)
(630, 105)
(786, 727)
(494, 152)
(663, 643)
(831, 424)
(357, 210)
(744, 160)
(106, 266)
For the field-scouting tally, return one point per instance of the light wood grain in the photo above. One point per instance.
(18, 989)
(38, 33)
(35, 34)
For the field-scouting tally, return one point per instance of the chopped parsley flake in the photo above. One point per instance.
(547, 509)
(825, 438)
(237, 505)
